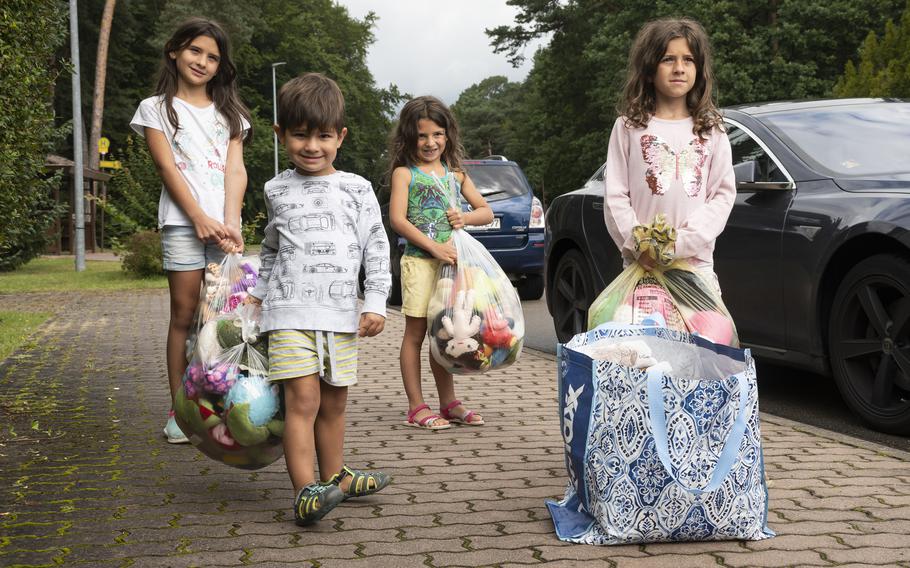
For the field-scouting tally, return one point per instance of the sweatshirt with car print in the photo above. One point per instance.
(321, 230)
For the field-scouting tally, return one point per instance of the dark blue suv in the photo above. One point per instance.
(515, 238)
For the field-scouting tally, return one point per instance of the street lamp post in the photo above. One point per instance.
(275, 109)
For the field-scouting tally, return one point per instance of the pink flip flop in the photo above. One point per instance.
(463, 419)
(428, 422)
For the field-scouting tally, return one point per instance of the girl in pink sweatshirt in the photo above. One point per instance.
(668, 151)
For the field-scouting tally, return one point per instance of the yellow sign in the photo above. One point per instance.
(103, 145)
(112, 164)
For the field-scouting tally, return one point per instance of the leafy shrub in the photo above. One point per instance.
(142, 254)
(30, 31)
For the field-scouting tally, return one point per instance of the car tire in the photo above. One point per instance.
(530, 287)
(869, 342)
(571, 295)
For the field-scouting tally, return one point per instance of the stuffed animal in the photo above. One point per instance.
(219, 378)
(463, 324)
(207, 342)
(251, 404)
(496, 332)
(248, 279)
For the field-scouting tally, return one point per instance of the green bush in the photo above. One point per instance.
(30, 31)
(142, 254)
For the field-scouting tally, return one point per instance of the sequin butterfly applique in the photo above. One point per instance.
(665, 165)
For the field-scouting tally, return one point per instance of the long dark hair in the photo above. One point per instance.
(638, 100)
(403, 144)
(222, 89)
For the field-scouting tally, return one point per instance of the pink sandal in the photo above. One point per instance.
(427, 422)
(463, 419)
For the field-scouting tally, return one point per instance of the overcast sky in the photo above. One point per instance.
(437, 47)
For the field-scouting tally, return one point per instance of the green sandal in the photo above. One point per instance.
(315, 501)
(362, 482)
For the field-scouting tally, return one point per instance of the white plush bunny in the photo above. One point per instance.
(462, 326)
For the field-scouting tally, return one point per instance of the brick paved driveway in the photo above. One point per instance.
(86, 478)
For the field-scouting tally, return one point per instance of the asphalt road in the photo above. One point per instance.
(805, 397)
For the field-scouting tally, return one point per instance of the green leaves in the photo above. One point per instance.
(30, 31)
(883, 69)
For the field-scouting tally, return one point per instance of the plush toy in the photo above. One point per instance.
(462, 325)
(193, 378)
(219, 378)
(712, 326)
(636, 354)
(495, 332)
(442, 294)
(248, 279)
(251, 404)
(207, 342)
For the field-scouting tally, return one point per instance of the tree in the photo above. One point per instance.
(782, 49)
(30, 32)
(310, 35)
(884, 65)
(485, 112)
(100, 77)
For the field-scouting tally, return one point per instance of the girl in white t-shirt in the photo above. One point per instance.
(195, 126)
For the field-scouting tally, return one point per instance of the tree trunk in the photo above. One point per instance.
(100, 78)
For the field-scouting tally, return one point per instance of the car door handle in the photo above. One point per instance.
(598, 205)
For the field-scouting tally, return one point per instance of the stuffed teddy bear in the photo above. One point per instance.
(463, 324)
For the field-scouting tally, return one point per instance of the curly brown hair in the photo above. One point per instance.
(403, 142)
(637, 104)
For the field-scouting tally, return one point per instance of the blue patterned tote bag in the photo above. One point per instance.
(662, 439)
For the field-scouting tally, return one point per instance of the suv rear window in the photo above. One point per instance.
(496, 182)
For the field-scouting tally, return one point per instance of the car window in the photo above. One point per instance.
(849, 140)
(495, 182)
(745, 148)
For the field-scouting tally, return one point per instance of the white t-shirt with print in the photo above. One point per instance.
(200, 153)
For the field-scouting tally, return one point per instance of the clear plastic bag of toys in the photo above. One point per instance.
(226, 405)
(474, 318)
(672, 294)
(225, 285)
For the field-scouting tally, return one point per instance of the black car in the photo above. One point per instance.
(815, 259)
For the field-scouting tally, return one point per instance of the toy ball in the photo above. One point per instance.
(243, 427)
(712, 326)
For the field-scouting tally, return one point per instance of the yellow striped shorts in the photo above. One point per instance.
(295, 353)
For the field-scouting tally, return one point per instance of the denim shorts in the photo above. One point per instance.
(183, 250)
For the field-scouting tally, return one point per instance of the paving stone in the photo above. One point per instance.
(106, 490)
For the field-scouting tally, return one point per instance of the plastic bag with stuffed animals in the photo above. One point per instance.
(474, 318)
(672, 295)
(226, 405)
(226, 285)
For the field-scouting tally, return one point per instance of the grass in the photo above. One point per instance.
(59, 275)
(17, 326)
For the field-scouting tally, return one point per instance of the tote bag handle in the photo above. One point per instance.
(658, 419)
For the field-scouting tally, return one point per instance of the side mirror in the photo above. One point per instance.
(746, 172)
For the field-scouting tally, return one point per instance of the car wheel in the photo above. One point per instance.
(571, 295)
(869, 342)
(530, 287)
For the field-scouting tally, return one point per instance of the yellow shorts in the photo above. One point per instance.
(418, 277)
(294, 353)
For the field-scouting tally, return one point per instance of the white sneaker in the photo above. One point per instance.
(172, 432)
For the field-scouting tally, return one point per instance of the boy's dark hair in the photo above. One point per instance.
(311, 101)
